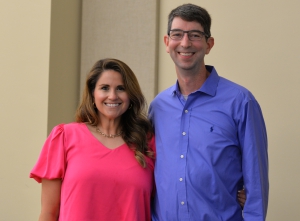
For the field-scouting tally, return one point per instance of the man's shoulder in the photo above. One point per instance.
(230, 83)
(233, 87)
(165, 93)
(162, 99)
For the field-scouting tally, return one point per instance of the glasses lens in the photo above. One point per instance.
(176, 35)
(195, 35)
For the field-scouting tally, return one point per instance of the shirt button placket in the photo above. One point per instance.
(182, 157)
(182, 198)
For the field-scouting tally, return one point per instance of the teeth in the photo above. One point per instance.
(186, 54)
(112, 105)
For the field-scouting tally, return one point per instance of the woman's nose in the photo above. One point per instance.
(113, 95)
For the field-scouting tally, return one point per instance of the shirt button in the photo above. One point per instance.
(180, 179)
(183, 133)
(186, 111)
(181, 156)
(182, 203)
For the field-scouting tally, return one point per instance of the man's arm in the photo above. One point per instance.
(253, 139)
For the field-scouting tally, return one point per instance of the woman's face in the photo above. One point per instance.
(110, 96)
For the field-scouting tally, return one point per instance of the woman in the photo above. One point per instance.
(101, 167)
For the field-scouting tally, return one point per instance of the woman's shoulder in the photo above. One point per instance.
(66, 128)
(70, 126)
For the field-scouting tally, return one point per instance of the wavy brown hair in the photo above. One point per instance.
(137, 130)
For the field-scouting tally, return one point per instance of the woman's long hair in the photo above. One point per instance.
(137, 130)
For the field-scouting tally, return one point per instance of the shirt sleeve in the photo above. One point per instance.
(51, 163)
(253, 139)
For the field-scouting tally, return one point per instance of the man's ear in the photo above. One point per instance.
(210, 43)
(166, 40)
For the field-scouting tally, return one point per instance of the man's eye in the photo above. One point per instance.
(176, 34)
(195, 35)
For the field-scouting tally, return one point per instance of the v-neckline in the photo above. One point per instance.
(98, 141)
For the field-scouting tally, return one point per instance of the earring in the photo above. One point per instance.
(94, 105)
(130, 106)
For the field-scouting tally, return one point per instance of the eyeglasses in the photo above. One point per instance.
(193, 35)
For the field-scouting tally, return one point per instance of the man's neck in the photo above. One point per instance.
(190, 82)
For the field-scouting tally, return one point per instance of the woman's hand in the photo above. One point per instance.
(241, 197)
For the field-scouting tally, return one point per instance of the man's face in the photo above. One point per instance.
(187, 54)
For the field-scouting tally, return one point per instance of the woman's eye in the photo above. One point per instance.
(105, 88)
(121, 88)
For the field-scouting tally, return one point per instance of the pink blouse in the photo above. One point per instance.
(98, 183)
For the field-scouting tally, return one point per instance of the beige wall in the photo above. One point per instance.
(24, 68)
(255, 45)
(39, 56)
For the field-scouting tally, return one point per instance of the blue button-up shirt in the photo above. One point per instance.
(208, 147)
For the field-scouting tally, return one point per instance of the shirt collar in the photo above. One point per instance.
(210, 85)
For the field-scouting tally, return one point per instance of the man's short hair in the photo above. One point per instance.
(191, 12)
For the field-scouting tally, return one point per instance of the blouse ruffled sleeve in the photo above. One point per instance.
(51, 163)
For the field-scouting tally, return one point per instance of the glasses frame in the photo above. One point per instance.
(188, 34)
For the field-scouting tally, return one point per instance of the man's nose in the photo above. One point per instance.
(185, 41)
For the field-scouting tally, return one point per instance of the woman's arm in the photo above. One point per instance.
(50, 200)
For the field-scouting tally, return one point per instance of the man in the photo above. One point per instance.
(210, 134)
